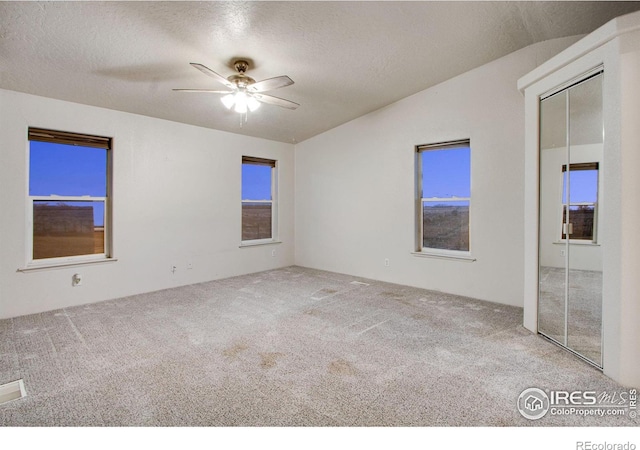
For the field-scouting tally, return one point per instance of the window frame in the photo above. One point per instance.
(576, 167)
(73, 139)
(273, 202)
(420, 250)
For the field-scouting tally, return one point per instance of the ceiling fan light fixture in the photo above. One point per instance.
(240, 103)
(228, 101)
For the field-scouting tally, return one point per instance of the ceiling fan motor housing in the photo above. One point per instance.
(241, 80)
(241, 65)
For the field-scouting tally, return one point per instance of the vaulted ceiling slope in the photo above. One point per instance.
(346, 58)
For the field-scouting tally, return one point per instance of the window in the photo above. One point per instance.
(68, 203)
(258, 198)
(444, 195)
(579, 212)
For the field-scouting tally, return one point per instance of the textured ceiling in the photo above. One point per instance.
(346, 58)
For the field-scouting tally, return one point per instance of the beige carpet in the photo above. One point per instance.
(287, 347)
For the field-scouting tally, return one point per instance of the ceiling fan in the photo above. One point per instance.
(243, 92)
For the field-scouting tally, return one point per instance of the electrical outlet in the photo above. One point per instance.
(386, 262)
(273, 253)
(189, 265)
(563, 253)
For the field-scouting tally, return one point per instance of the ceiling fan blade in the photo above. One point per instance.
(271, 100)
(211, 91)
(219, 78)
(270, 84)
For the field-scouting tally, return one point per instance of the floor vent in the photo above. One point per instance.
(12, 391)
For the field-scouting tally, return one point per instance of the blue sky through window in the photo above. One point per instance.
(58, 169)
(69, 170)
(256, 182)
(446, 173)
(584, 186)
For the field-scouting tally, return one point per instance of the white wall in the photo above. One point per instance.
(355, 184)
(624, 315)
(176, 199)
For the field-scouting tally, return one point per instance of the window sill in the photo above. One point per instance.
(36, 267)
(577, 242)
(259, 242)
(462, 256)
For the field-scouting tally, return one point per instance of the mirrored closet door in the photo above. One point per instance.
(570, 254)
